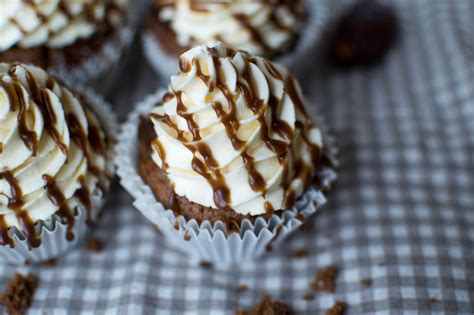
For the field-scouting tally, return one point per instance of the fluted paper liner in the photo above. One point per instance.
(166, 65)
(52, 231)
(206, 241)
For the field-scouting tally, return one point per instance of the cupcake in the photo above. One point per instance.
(76, 40)
(229, 149)
(55, 168)
(264, 28)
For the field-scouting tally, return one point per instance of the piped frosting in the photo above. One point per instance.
(233, 132)
(52, 152)
(259, 27)
(55, 23)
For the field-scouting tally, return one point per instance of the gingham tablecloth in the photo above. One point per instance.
(401, 213)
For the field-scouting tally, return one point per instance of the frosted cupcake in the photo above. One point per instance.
(230, 147)
(54, 161)
(74, 39)
(264, 28)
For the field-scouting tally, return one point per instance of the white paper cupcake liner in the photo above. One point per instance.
(165, 65)
(211, 242)
(52, 231)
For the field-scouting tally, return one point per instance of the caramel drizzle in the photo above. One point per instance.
(84, 197)
(40, 96)
(15, 203)
(58, 199)
(254, 33)
(6, 239)
(16, 200)
(182, 111)
(161, 152)
(15, 96)
(211, 172)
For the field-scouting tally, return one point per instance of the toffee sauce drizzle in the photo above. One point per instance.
(15, 203)
(57, 198)
(209, 169)
(77, 134)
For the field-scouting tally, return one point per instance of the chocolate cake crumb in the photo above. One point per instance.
(381, 263)
(366, 282)
(18, 293)
(242, 288)
(299, 253)
(308, 296)
(267, 306)
(50, 263)
(433, 300)
(364, 34)
(337, 309)
(325, 279)
(95, 245)
(205, 264)
(305, 227)
(187, 237)
(28, 262)
(242, 312)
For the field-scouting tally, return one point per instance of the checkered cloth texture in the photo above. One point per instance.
(401, 213)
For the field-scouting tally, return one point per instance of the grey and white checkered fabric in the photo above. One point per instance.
(401, 213)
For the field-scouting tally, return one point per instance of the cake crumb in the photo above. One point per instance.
(433, 300)
(18, 293)
(366, 282)
(242, 288)
(95, 245)
(269, 306)
(186, 236)
(325, 279)
(205, 264)
(308, 296)
(337, 309)
(299, 253)
(50, 263)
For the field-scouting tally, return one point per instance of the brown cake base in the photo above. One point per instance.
(54, 58)
(159, 183)
(163, 35)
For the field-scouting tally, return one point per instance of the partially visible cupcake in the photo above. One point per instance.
(76, 40)
(55, 168)
(264, 28)
(230, 144)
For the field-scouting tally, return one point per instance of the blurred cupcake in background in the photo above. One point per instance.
(55, 163)
(225, 161)
(75, 40)
(263, 28)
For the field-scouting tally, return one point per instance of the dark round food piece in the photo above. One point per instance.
(364, 34)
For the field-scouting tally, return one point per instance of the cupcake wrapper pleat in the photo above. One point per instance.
(206, 241)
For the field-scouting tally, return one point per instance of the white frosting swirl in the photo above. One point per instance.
(233, 132)
(259, 27)
(52, 148)
(55, 23)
